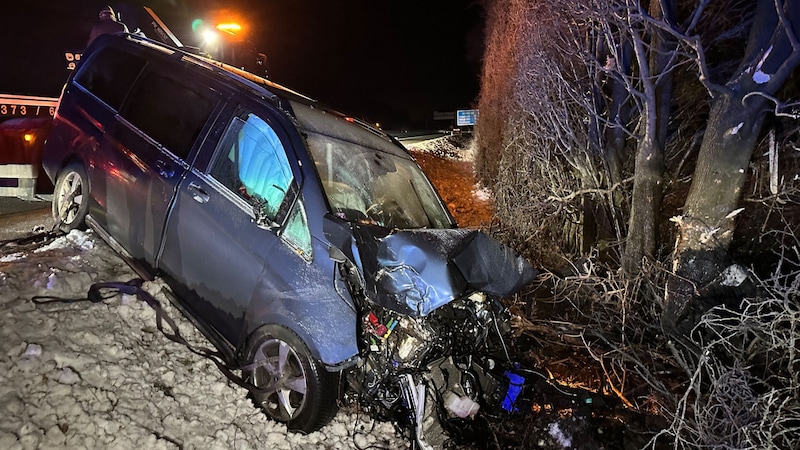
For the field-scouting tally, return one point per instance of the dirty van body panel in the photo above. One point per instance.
(157, 137)
(215, 266)
(304, 297)
(81, 133)
(86, 122)
(137, 196)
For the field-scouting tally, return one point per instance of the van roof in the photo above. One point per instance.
(259, 85)
(251, 77)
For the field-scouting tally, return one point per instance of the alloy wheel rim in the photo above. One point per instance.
(70, 197)
(281, 376)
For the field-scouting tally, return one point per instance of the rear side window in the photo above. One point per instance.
(169, 111)
(109, 74)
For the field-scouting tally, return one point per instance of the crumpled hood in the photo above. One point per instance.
(416, 271)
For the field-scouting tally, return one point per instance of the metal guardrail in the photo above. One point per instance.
(25, 175)
(26, 106)
(20, 153)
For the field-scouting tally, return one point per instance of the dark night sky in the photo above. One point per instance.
(389, 61)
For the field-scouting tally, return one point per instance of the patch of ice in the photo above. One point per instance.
(128, 299)
(559, 436)
(12, 257)
(482, 194)
(733, 275)
(51, 281)
(75, 238)
(32, 351)
(735, 130)
(68, 376)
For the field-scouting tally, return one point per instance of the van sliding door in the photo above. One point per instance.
(163, 120)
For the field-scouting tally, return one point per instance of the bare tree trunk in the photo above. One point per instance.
(647, 184)
(608, 132)
(645, 198)
(706, 228)
(661, 58)
(618, 116)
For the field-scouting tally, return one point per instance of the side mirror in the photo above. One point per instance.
(336, 254)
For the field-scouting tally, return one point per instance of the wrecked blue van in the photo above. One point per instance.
(308, 247)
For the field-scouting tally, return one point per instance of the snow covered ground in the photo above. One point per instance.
(100, 375)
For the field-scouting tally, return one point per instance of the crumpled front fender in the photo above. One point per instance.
(416, 271)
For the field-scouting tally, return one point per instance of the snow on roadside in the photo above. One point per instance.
(452, 171)
(100, 375)
(453, 147)
(482, 193)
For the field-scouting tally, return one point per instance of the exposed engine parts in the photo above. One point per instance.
(431, 331)
(428, 372)
(434, 376)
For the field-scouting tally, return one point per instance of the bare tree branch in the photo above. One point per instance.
(787, 25)
(778, 104)
(693, 42)
(572, 196)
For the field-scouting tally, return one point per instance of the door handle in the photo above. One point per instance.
(165, 169)
(198, 194)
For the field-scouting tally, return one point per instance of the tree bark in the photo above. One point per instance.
(647, 183)
(619, 111)
(706, 228)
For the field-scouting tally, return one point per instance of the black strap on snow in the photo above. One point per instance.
(38, 238)
(134, 287)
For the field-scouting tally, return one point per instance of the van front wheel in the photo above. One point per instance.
(292, 387)
(71, 198)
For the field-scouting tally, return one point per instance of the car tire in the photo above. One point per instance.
(71, 198)
(295, 388)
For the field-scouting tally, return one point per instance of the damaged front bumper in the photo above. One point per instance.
(431, 324)
(416, 271)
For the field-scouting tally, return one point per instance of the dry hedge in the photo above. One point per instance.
(734, 382)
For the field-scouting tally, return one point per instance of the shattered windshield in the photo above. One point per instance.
(368, 179)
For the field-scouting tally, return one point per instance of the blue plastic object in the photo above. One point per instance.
(515, 383)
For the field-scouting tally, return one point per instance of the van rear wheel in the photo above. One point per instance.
(293, 387)
(71, 198)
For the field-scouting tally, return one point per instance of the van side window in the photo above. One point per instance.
(109, 74)
(251, 161)
(168, 111)
(297, 232)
